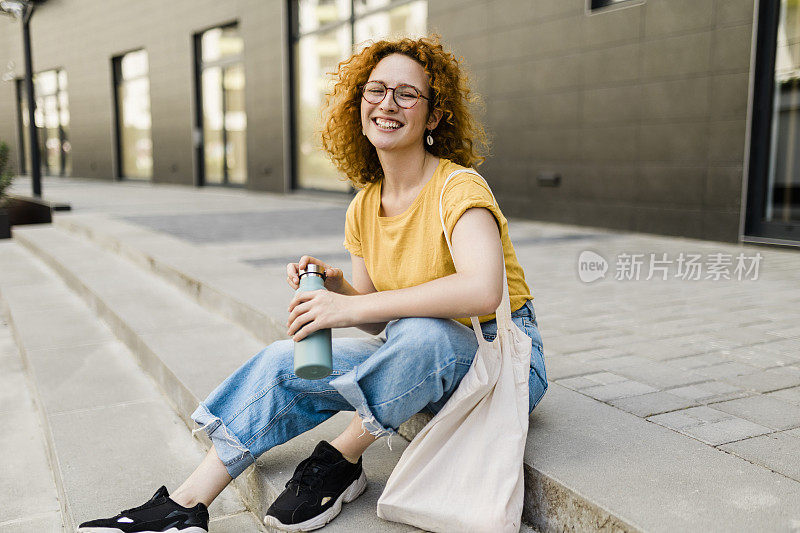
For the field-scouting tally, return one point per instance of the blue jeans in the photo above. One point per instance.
(416, 367)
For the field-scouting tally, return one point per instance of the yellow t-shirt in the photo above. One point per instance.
(410, 248)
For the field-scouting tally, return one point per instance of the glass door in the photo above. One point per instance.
(51, 117)
(773, 207)
(325, 32)
(133, 119)
(221, 134)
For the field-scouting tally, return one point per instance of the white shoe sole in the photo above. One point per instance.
(352, 492)
(115, 530)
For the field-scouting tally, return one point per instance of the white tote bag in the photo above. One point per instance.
(463, 471)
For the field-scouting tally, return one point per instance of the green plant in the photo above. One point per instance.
(6, 176)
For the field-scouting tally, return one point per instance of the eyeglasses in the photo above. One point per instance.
(405, 96)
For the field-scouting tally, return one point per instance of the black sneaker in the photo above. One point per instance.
(319, 486)
(159, 515)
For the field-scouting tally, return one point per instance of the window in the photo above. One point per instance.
(599, 4)
(134, 125)
(221, 117)
(326, 32)
(783, 188)
(51, 117)
(22, 125)
(773, 190)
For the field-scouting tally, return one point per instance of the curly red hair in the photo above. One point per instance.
(460, 137)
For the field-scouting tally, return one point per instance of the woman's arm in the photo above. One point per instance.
(475, 289)
(336, 282)
(362, 284)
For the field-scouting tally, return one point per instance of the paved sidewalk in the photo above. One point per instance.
(713, 359)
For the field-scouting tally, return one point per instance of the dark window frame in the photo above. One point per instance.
(761, 132)
(62, 138)
(597, 5)
(294, 38)
(116, 79)
(294, 35)
(199, 141)
(19, 84)
(41, 133)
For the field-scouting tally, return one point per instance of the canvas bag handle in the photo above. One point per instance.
(503, 312)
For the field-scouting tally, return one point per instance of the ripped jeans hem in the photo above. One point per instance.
(230, 450)
(371, 424)
(349, 389)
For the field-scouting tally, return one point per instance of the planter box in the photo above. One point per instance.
(5, 225)
(30, 210)
(19, 210)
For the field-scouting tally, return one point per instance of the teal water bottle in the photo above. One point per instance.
(313, 357)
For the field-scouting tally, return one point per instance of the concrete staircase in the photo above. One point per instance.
(183, 347)
(189, 317)
(110, 438)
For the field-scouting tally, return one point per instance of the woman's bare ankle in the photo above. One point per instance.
(205, 483)
(346, 453)
(353, 442)
(351, 459)
(184, 500)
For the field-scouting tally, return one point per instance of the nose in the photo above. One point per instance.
(387, 102)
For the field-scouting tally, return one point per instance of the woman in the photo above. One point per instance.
(397, 125)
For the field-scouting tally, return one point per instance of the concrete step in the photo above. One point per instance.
(97, 409)
(588, 465)
(28, 475)
(239, 292)
(253, 298)
(187, 350)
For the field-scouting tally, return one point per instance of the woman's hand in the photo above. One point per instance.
(310, 311)
(334, 278)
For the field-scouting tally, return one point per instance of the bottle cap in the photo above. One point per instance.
(311, 268)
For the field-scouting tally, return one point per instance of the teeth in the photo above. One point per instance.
(387, 123)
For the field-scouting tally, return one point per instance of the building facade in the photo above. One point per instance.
(675, 117)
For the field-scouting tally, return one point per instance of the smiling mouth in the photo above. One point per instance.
(387, 125)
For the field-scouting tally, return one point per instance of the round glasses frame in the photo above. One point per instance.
(375, 100)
